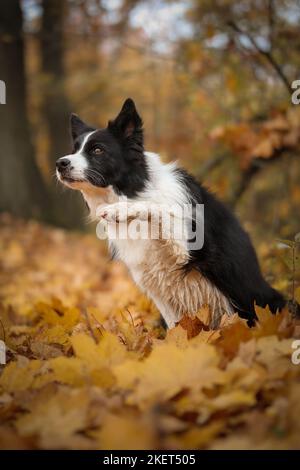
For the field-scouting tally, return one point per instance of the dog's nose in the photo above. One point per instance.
(62, 163)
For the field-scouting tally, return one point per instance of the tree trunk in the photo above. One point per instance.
(56, 107)
(22, 190)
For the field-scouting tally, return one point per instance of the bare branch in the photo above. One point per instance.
(267, 54)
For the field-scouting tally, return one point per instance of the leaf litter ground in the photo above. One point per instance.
(89, 366)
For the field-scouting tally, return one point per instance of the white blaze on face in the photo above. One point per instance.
(78, 161)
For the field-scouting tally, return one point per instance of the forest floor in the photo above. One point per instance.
(89, 367)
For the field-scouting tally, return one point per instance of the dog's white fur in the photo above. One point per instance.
(78, 161)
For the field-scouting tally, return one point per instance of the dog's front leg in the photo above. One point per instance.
(170, 316)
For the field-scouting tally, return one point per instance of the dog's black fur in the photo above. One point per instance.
(228, 258)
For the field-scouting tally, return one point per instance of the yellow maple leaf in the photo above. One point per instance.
(125, 433)
(108, 352)
(57, 419)
(167, 371)
(19, 375)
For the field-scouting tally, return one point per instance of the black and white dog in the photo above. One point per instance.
(110, 166)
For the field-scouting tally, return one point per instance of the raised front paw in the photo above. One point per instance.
(112, 213)
(122, 212)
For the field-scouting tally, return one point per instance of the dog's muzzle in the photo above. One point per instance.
(63, 166)
(64, 169)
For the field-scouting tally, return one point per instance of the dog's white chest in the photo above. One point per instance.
(132, 252)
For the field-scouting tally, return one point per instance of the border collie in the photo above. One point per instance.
(110, 166)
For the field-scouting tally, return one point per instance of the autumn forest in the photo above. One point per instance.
(88, 363)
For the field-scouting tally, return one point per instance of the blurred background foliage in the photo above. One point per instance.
(211, 78)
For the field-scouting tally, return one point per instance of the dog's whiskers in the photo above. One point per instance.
(94, 175)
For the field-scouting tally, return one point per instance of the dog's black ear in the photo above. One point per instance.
(78, 127)
(128, 122)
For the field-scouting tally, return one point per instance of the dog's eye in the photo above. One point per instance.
(97, 151)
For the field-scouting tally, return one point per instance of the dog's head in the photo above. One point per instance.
(113, 156)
